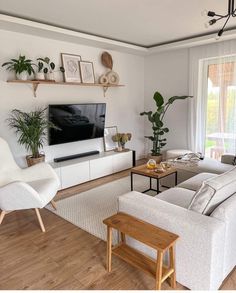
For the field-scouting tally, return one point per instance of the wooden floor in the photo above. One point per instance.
(65, 257)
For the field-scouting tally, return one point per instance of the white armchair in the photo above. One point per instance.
(30, 188)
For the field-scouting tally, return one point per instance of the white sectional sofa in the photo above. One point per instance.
(205, 253)
(207, 165)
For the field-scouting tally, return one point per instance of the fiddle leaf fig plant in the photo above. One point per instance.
(156, 119)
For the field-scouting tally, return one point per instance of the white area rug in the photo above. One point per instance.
(88, 209)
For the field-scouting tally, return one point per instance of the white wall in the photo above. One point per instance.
(123, 104)
(167, 72)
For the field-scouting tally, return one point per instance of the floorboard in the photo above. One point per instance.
(65, 257)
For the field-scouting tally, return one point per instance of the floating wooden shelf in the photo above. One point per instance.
(36, 83)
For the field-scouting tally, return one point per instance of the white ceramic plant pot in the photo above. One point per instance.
(50, 76)
(22, 76)
(39, 76)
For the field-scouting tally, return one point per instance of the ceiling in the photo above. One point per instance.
(145, 23)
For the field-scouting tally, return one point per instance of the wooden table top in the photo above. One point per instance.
(147, 233)
(143, 170)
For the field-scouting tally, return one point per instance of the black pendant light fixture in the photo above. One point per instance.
(216, 17)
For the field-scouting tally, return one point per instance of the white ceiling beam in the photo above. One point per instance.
(20, 25)
(193, 42)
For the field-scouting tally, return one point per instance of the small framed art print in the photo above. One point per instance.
(71, 66)
(87, 72)
(109, 144)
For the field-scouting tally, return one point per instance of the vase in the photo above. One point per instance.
(122, 145)
(50, 76)
(119, 148)
(22, 76)
(39, 76)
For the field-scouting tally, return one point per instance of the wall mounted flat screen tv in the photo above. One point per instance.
(76, 122)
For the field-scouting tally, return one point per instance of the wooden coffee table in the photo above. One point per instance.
(143, 171)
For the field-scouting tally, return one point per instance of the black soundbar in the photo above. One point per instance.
(61, 159)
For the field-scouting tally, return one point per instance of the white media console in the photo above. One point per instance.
(77, 171)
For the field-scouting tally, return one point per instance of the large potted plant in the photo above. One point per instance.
(157, 121)
(31, 128)
(22, 66)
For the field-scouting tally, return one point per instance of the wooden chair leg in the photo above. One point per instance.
(53, 204)
(40, 220)
(3, 213)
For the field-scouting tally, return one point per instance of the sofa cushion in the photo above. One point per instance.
(177, 196)
(213, 192)
(225, 210)
(194, 183)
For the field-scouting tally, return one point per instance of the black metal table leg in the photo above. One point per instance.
(158, 186)
(132, 184)
(176, 181)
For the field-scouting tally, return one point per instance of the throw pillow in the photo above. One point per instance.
(213, 192)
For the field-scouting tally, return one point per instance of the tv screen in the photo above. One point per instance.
(76, 122)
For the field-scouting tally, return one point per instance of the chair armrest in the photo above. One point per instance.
(200, 249)
(37, 172)
(228, 159)
(18, 196)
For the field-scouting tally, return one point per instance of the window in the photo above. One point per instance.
(220, 136)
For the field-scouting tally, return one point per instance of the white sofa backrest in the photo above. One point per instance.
(7, 163)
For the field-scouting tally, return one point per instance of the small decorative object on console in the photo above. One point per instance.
(109, 143)
(122, 139)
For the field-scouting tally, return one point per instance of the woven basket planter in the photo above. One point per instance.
(33, 161)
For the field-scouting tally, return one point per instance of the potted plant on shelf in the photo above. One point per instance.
(49, 67)
(156, 119)
(22, 67)
(31, 127)
(121, 139)
(40, 74)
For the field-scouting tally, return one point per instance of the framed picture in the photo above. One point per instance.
(109, 144)
(87, 72)
(70, 63)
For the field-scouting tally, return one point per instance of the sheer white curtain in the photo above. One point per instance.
(198, 115)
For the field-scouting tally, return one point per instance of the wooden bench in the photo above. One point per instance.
(157, 238)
